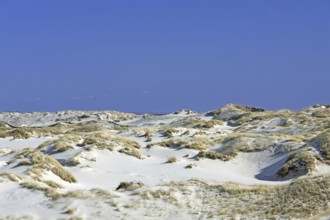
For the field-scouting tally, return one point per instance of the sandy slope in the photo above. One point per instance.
(188, 188)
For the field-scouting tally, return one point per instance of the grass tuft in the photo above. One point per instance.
(129, 186)
(172, 160)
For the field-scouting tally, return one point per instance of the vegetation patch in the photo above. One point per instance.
(321, 113)
(322, 142)
(131, 152)
(298, 164)
(169, 132)
(40, 161)
(62, 144)
(129, 186)
(172, 160)
(197, 143)
(12, 176)
(213, 156)
(6, 151)
(304, 198)
(148, 135)
(207, 124)
(233, 111)
(109, 141)
(190, 166)
(236, 143)
(72, 162)
(16, 133)
(49, 192)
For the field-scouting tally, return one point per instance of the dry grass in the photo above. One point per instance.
(72, 162)
(109, 141)
(16, 133)
(6, 151)
(148, 135)
(172, 160)
(27, 132)
(197, 143)
(207, 124)
(69, 211)
(53, 184)
(24, 163)
(129, 186)
(76, 194)
(322, 142)
(233, 111)
(236, 143)
(302, 199)
(49, 192)
(62, 144)
(298, 164)
(187, 132)
(190, 166)
(131, 152)
(14, 217)
(196, 122)
(199, 133)
(22, 154)
(87, 127)
(40, 161)
(12, 176)
(213, 156)
(321, 113)
(240, 119)
(159, 194)
(169, 132)
(186, 122)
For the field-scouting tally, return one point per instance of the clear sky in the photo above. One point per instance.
(163, 55)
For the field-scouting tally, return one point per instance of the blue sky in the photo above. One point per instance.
(160, 56)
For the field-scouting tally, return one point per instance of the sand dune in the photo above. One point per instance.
(234, 162)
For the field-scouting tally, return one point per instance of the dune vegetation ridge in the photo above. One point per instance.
(236, 162)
